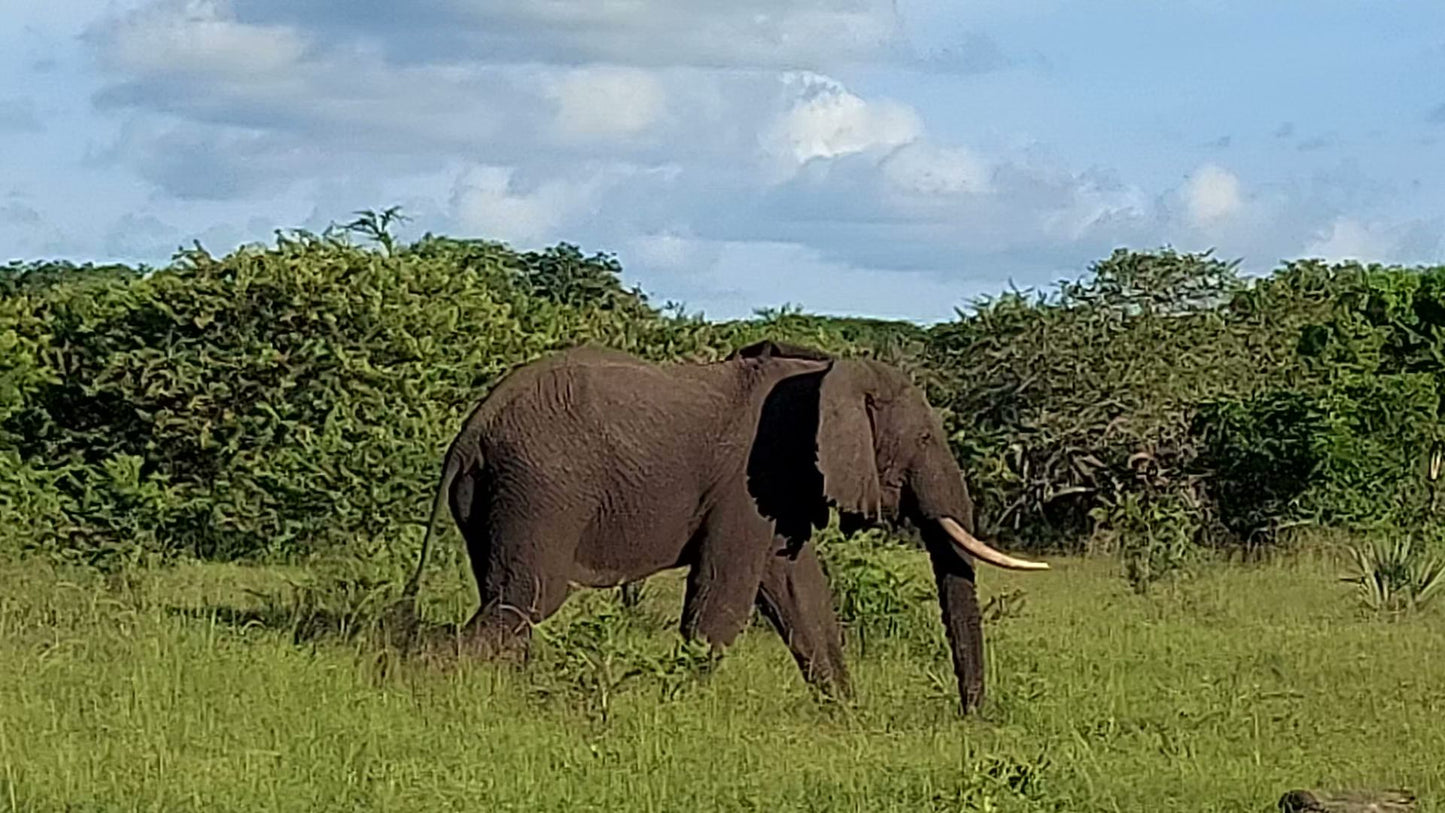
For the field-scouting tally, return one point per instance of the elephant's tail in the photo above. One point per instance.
(451, 467)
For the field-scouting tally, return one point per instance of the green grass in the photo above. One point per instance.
(152, 694)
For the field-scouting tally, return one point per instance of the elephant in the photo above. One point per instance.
(595, 468)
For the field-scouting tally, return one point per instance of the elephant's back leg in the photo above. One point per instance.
(520, 559)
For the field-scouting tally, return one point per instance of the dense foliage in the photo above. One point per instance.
(289, 399)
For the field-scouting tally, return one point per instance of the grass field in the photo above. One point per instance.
(180, 690)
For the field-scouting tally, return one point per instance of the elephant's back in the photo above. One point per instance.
(606, 442)
(573, 379)
(591, 397)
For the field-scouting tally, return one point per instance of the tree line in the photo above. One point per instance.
(289, 399)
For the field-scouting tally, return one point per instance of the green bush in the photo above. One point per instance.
(1261, 454)
(599, 655)
(1382, 430)
(277, 401)
(1052, 400)
(1350, 445)
(32, 509)
(286, 400)
(876, 597)
(1156, 536)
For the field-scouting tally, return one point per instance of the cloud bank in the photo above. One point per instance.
(734, 155)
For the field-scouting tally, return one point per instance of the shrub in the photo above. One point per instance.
(32, 510)
(1050, 399)
(596, 656)
(1353, 453)
(1261, 455)
(1156, 537)
(875, 597)
(276, 401)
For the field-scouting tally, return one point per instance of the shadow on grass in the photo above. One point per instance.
(344, 612)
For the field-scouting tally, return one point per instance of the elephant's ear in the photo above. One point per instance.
(815, 445)
(783, 474)
(847, 454)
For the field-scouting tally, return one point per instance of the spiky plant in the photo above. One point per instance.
(1395, 575)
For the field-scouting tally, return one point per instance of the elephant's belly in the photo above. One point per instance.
(588, 577)
(617, 554)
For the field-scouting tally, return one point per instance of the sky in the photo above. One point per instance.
(888, 158)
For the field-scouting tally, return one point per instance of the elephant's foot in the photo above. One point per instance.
(496, 634)
(971, 699)
(831, 686)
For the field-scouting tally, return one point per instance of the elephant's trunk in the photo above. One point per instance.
(936, 501)
(962, 621)
(935, 494)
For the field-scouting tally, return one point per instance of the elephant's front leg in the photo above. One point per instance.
(731, 551)
(794, 596)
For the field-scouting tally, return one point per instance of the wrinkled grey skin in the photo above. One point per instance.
(594, 468)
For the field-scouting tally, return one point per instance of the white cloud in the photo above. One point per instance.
(606, 102)
(1353, 238)
(777, 34)
(1348, 239)
(928, 170)
(926, 206)
(671, 251)
(187, 37)
(134, 237)
(1213, 195)
(743, 276)
(827, 121)
(707, 143)
(485, 201)
(1100, 209)
(504, 203)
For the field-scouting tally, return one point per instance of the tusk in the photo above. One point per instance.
(975, 546)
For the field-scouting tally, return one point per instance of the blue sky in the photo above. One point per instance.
(891, 158)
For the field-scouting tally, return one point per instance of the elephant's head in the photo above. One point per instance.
(862, 437)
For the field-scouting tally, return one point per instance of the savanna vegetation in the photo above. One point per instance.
(213, 477)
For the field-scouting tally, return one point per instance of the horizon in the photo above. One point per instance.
(680, 310)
